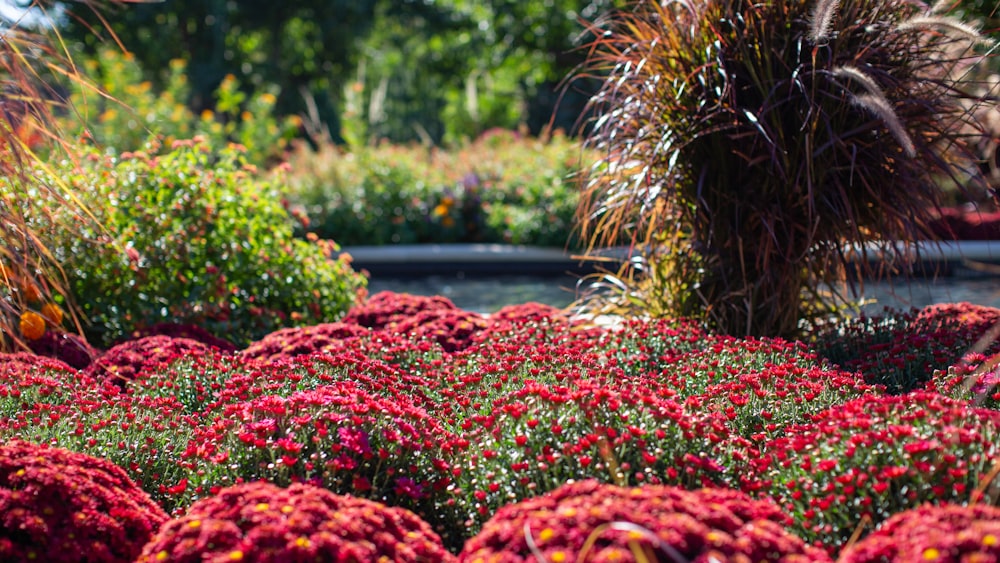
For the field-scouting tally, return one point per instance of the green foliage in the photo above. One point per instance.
(748, 144)
(502, 188)
(454, 68)
(128, 110)
(193, 236)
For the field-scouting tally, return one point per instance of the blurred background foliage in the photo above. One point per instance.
(433, 71)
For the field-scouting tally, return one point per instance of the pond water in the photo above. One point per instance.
(486, 295)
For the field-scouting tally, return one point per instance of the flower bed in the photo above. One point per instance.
(473, 423)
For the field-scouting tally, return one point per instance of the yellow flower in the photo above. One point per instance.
(32, 325)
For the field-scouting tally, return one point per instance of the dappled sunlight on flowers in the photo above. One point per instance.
(515, 407)
(587, 521)
(262, 522)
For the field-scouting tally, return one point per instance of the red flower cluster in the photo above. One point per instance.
(587, 521)
(867, 459)
(529, 312)
(191, 331)
(66, 347)
(386, 308)
(453, 330)
(126, 361)
(59, 506)
(338, 435)
(932, 533)
(288, 343)
(24, 362)
(264, 523)
(902, 350)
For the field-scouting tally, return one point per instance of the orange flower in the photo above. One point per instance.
(32, 325)
(30, 291)
(53, 314)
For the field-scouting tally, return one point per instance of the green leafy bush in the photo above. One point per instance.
(194, 236)
(502, 188)
(127, 110)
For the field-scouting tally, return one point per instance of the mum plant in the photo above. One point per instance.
(262, 522)
(750, 150)
(858, 463)
(945, 532)
(588, 521)
(58, 505)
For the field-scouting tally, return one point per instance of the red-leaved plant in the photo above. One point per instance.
(130, 359)
(385, 308)
(588, 521)
(946, 532)
(858, 463)
(287, 343)
(59, 506)
(263, 523)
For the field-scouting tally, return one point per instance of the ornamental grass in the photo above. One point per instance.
(751, 151)
(589, 521)
(60, 506)
(263, 523)
(940, 533)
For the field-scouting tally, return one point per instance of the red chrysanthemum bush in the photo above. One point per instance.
(288, 343)
(648, 345)
(129, 360)
(932, 533)
(60, 506)
(27, 380)
(861, 462)
(903, 349)
(975, 379)
(66, 347)
(208, 384)
(263, 523)
(387, 308)
(536, 416)
(758, 385)
(452, 330)
(339, 435)
(529, 312)
(185, 330)
(23, 362)
(588, 521)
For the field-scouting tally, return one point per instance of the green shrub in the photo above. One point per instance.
(128, 110)
(194, 236)
(745, 144)
(503, 188)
